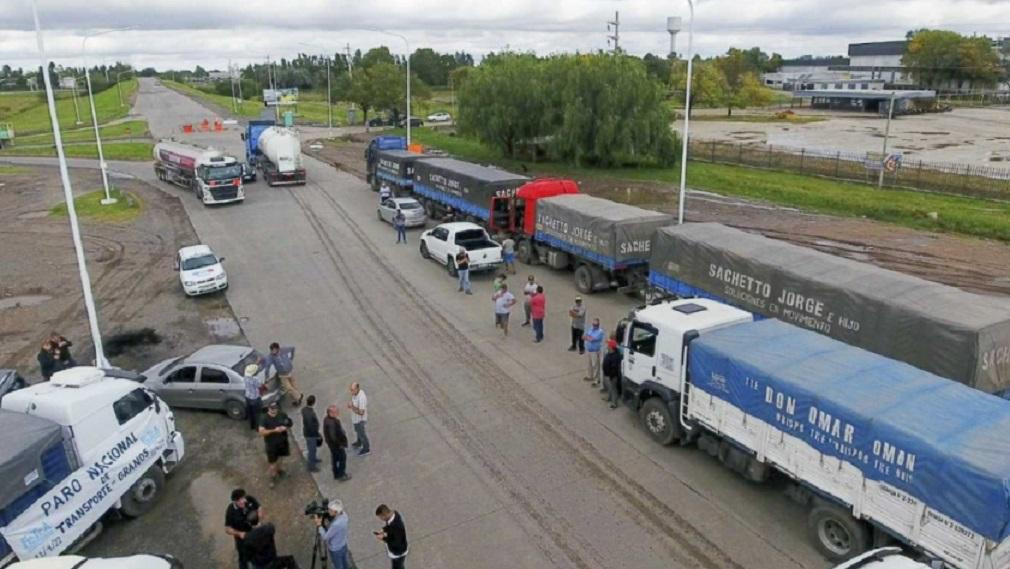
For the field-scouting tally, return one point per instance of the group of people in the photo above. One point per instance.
(246, 521)
(55, 355)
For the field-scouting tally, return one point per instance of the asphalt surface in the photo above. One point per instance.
(493, 449)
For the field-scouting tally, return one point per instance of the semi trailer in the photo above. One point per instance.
(465, 190)
(880, 451)
(276, 151)
(214, 177)
(396, 175)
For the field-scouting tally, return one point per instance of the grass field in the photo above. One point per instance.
(34, 118)
(89, 207)
(13, 103)
(967, 216)
(12, 170)
(139, 151)
(128, 129)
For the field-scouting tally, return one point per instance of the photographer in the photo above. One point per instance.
(333, 529)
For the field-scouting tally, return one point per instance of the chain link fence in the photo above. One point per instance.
(942, 177)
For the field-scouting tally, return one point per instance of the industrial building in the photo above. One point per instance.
(905, 102)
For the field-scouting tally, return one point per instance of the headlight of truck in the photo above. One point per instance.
(188, 283)
(221, 277)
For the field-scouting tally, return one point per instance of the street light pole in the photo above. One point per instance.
(887, 134)
(108, 200)
(77, 110)
(687, 119)
(119, 87)
(68, 194)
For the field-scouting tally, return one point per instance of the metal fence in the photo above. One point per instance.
(942, 177)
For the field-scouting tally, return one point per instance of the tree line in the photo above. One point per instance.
(941, 58)
(18, 79)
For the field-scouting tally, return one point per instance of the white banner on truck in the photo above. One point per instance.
(65, 513)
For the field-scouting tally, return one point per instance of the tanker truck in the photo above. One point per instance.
(214, 177)
(276, 151)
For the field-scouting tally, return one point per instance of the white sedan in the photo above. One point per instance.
(412, 210)
(441, 116)
(200, 270)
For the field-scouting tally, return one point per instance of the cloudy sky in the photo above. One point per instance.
(183, 33)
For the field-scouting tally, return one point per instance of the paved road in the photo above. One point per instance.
(494, 449)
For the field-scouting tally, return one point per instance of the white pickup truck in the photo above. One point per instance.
(443, 242)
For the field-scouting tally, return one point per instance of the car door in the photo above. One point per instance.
(437, 245)
(640, 357)
(386, 209)
(214, 387)
(179, 387)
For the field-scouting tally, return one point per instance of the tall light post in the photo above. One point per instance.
(887, 134)
(406, 43)
(329, 103)
(68, 194)
(687, 118)
(108, 200)
(118, 87)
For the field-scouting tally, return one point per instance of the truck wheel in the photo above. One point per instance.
(144, 493)
(429, 209)
(524, 251)
(836, 533)
(424, 251)
(656, 419)
(450, 266)
(235, 410)
(584, 279)
(600, 279)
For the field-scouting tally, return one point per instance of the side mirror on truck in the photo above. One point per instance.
(242, 135)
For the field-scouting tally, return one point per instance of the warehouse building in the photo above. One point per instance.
(868, 101)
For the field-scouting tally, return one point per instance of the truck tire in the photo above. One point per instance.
(656, 419)
(424, 250)
(600, 279)
(429, 209)
(144, 493)
(524, 251)
(584, 279)
(235, 409)
(836, 533)
(450, 265)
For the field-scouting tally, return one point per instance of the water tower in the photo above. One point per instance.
(673, 25)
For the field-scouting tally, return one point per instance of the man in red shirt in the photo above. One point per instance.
(538, 308)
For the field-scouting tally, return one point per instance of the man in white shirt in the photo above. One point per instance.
(503, 302)
(384, 192)
(359, 417)
(528, 291)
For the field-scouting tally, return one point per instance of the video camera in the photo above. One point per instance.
(319, 509)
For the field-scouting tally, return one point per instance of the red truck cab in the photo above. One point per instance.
(518, 213)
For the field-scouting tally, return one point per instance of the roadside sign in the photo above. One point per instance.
(274, 97)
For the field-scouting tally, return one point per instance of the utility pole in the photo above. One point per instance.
(887, 133)
(270, 81)
(350, 76)
(615, 26)
(77, 110)
(231, 80)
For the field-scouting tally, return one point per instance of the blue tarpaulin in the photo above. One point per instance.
(944, 443)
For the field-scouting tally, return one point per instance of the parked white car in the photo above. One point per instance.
(200, 270)
(412, 210)
(883, 558)
(440, 116)
(143, 561)
(444, 241)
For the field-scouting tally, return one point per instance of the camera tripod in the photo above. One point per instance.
(319, 551)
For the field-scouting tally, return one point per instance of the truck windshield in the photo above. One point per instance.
(224, 172)
(199, 262)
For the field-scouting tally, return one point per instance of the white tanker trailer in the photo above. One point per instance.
(213, 176)
(276, 151)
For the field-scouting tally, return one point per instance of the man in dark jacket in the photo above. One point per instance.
(612, 371)
(48, 361)
(336, 440)
(62, 347)
(393, 534)
(310, 430)
(236, 522)
(274, 430)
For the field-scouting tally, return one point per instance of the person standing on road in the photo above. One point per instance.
(359, 418)
(594, 342)
(335, 535)
(612, 373)
(503, 303)
(282, 360)
(529, 289)
(236, 522)
(310, 430)
(336, 440)
(393, 534)
(400, 223)
(274, 430)
(463, 270)
(578, 315)
(48, 360)
(538, 309)
(384, 192)
(253, 397)
(508, 251)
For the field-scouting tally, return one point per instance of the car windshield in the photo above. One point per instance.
(410, 205)
(171, 365)
(224, 172)
(198, 262)
(253, 357)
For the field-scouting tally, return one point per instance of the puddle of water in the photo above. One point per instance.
(206, 492)
(223, 328)
(24, 300)
(130, 341)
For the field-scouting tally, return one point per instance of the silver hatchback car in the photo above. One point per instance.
(412, 210)
(209, 378)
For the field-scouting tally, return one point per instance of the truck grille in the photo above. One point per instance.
(224, 192)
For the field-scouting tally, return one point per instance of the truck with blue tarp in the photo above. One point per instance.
(879, 450)
(952, 333)
(607, 244)
(377, 145)
(447, 186)
(396, 169)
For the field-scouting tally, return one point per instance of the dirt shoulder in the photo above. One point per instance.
(977, 265)
(135, 288)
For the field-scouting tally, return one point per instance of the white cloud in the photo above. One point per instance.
(209, 32)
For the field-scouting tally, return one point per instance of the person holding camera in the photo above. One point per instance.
(236, 522)
(333, 526)
(393, 534)
(274, 430)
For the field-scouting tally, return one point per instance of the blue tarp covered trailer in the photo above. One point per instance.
(941, 442)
